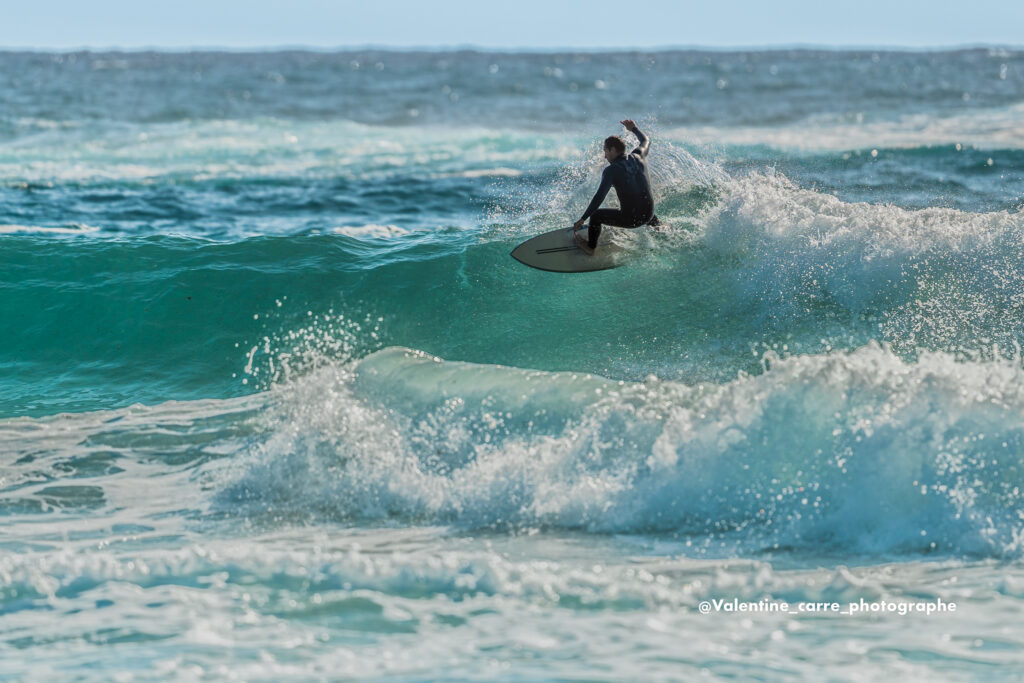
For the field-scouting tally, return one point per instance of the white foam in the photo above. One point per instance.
(501, 172)
(787, 457)
(308, 605)
(371, 231)
(266, 147)
(69, 230)
(796, 243)
(997, 128)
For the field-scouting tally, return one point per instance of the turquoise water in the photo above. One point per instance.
(276, 404)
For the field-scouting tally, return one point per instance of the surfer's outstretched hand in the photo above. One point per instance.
(628, 123)
(578, 224)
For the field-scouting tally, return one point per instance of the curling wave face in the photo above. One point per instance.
(787, 458)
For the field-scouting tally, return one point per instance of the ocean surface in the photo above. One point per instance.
(276, 404)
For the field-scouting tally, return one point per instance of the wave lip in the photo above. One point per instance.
(797, 247)
(853, 452)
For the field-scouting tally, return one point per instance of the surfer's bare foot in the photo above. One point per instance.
(583, 244)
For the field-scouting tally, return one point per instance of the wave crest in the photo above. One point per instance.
(853, 451)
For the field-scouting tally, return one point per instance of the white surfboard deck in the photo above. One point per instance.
(557, 251)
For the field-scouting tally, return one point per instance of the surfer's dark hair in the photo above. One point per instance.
(615, 142)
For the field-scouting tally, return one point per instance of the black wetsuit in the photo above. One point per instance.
(628, 175)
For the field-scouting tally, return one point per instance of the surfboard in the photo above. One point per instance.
(557, 251)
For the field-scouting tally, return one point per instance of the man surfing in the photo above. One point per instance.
(627, 173)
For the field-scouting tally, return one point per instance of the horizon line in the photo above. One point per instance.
(780, 47)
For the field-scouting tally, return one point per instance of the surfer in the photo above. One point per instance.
(627, 173)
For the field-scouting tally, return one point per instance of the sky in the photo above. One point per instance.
(528, 24)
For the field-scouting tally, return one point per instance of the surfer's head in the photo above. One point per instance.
(614, 148)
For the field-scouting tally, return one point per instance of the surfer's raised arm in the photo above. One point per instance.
(645, 142)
